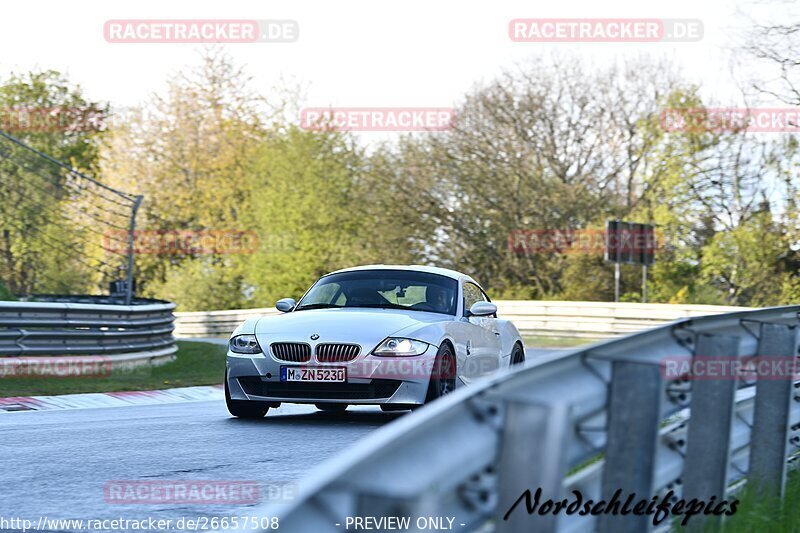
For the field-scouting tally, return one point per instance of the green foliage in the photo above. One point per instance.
(587, 278)
(187, 153)
(314, 212)
(40, 236)
(742, 264)
(5, 294)
(73, 137)
(196, 363)
(301, 185)
(553, 146)
(756, 513)
(202, 283)
(790, 290)
(207, 159)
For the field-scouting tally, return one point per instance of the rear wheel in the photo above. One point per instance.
(517, 355)
(331, 407)
(443, 376)
(243, 409)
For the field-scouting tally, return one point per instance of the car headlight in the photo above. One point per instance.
(402, 347)
(244, 344)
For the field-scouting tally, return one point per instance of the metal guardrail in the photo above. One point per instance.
(593, 320)
(215, 323)
(597, 320)
(599, 418)
(66, 326)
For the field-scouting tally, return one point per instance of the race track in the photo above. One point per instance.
(55, 464)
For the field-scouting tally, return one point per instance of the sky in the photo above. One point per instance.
(356, 52)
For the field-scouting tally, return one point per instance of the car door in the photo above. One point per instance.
(483, 348)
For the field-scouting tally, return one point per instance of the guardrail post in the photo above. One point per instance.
(705, 470)
(131, 249)
(770, 432)
(634, 414)
(532, 456)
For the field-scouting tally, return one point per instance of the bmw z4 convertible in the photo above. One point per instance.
(394, 336)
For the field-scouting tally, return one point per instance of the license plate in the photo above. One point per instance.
(323, 374)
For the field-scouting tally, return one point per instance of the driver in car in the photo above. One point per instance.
(437, 298)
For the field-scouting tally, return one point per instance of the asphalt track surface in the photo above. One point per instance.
(55, 464)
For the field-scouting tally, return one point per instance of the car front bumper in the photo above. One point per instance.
(370, 380)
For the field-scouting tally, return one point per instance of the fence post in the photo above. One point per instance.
(131, 249)
(705, 470)
(634, 415)
(532, 456)
(770, 432)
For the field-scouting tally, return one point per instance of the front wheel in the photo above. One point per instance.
(443, 375)
(243, 409)
(394, 407)
(517, 355)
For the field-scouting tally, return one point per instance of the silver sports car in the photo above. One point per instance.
(395, 336)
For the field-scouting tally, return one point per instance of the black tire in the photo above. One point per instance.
(332, 407)
(517, 355)
(394, 407)
(443, 375)
(243, 409)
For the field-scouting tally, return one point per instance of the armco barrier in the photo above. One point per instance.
(593, 320)
(596, 319)
(215, 323)
(65, 326)
(596, 419)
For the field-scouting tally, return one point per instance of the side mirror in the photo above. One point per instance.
(482, 309)
(285, 305)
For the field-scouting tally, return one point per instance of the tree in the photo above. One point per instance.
(43, 233)
(549, 147)
(776, 45)
(187, 152)
(314, 200)
(743, 264)
(716, 186)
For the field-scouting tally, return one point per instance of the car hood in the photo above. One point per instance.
(367, 327)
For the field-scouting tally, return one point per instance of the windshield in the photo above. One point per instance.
(385, 289)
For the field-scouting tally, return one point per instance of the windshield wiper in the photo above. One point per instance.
(317, 306)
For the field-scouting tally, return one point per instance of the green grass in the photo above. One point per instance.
(534, 341)
(197, 363)
(756, 514)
